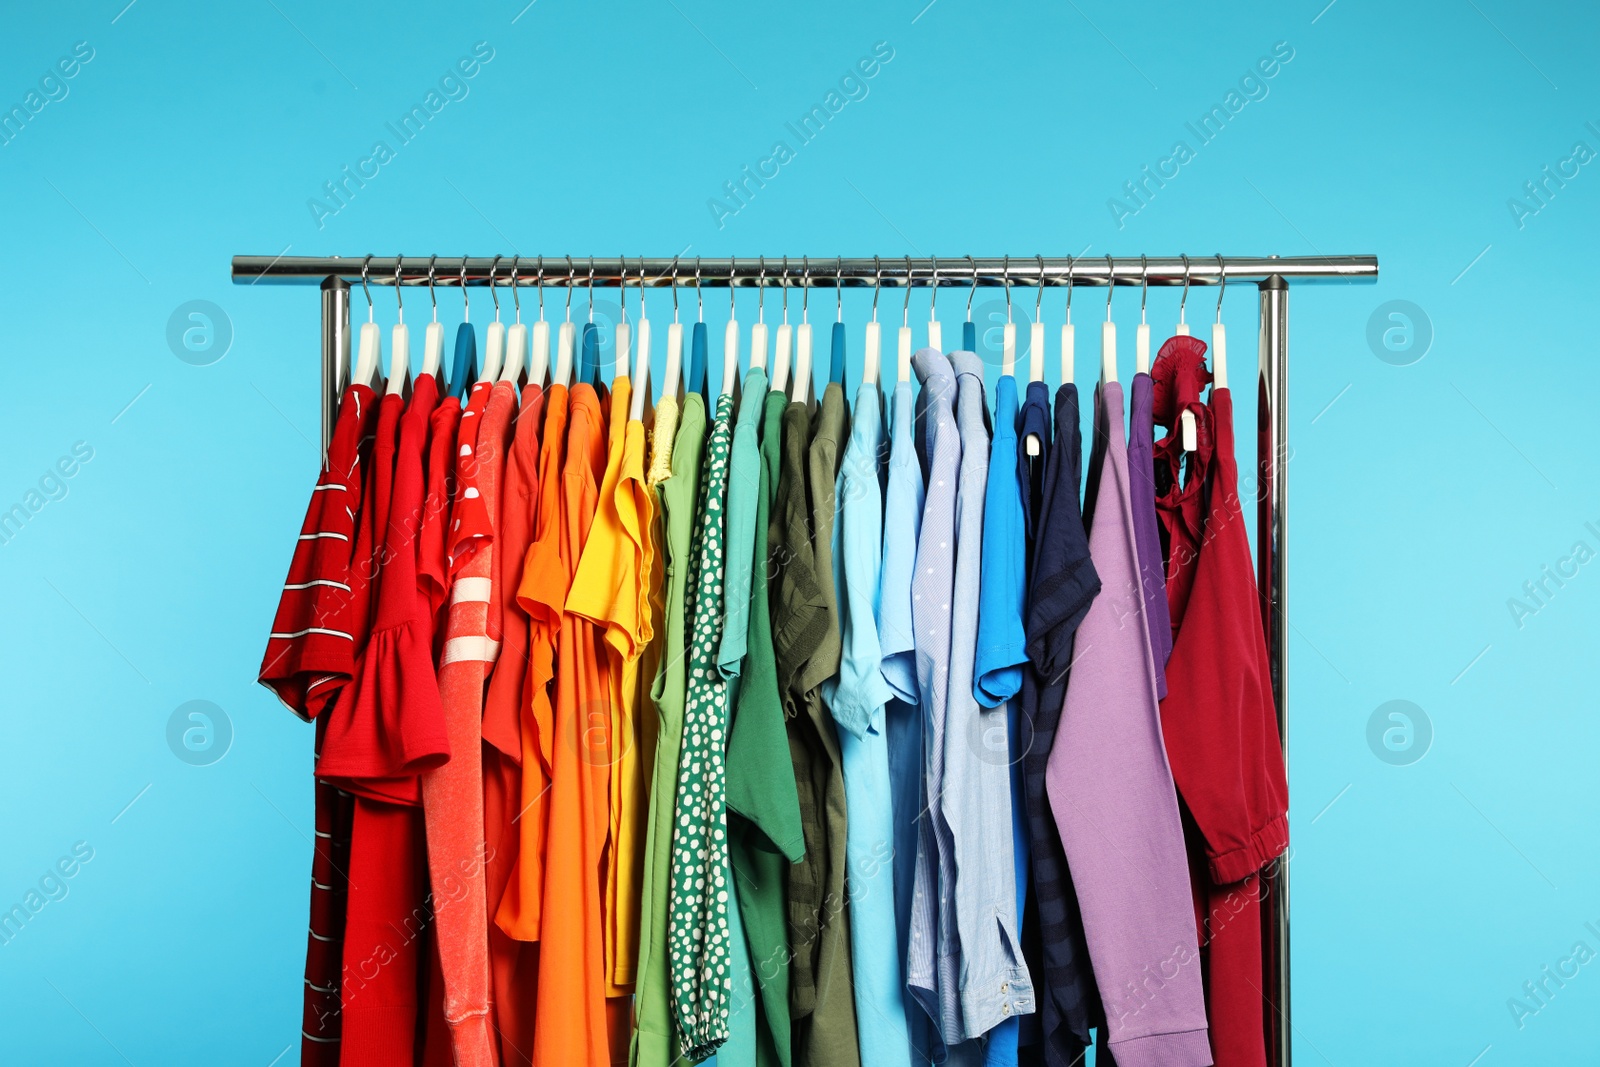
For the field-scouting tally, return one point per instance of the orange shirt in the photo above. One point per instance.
(543, 578)
(572, 986)
(611, 589)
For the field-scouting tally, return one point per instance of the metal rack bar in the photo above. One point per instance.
(1272, 274)
(722, 271)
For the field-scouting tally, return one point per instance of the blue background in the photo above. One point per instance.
(1424, 495)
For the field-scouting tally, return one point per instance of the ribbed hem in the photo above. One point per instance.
(378, 1037)
(1191, 1048)
(1264, 846)
(473, 1044)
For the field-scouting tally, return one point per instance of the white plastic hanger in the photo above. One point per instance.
(399, 340)
(730, 335)
(758, 332)
(495, 346)
(1141, 342)
(935, 338)
(641, 362)
(369, 353)
(516, 336)
(801, 387)
(433, 337)
(1186, 425)
(903, 348)
(780, 353)
(1069, 340)
(730, 352)
(872, 348)
(1219, 336)
(566, 336)
(1036, 343)
(674, 369)
(1008, 343)
(1108, 332)
(539, 361)
(622, 333)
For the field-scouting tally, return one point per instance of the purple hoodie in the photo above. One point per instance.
(1113, 800)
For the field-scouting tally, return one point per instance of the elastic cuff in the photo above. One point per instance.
(1190, 1048)
(1264, 846)
(472, 1041)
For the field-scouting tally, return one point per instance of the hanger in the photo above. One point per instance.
(730, 335)
(517, 336)
(903, 344)
(433, 337)
(1141, 336)
(622, 333)
(566, 336)
(669, 380)
(1219, 336)
(836, 351)
(969, 332)
(1069, 340)
(1036, 337)
(539, 361)
(801, 388)
(758, 332)
(1008, 344)
(1186, 425)
(494, 348)
(369, 354)
(874, 345)
(730, 350)
(399, 340)
(465, 365)
(935, 340)
(780, 354)
(1108, 332)
(589, 347)
(641, 361)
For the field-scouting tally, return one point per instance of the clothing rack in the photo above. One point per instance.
(1271, 274)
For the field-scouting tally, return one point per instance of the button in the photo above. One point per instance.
(1006, 1009)
(1005, 987)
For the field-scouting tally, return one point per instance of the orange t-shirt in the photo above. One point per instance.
(572, 989)
(543, 575)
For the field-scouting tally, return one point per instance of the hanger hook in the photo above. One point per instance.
(1005, 276)
(572, 276)
(541, 287)
(466, 306)
(400, 304)
(1072, 267)
(516, 293)
(1144, 284)
(433, 297)
(365, 266)
(785, 284)
(1038, 299)
(1222, 286)
(1183, 302)
(1111, 283)
(933, 299)
(838, 288)
(674, 291)
(622, 287)
(877, 285)
(805, 288)
(591, 290)
(972, 292)
(761, 291)
(492, 292)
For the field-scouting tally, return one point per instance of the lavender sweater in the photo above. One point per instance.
(1112, 796)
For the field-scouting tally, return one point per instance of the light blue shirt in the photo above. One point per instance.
(933, 959)
(977, 756)
(857, 702)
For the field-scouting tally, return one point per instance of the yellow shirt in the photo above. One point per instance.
(612, 588)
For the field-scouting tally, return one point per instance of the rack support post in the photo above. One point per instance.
(1272, 537)
(335, 351)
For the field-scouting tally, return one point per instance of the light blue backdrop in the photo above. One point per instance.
(1426, 893)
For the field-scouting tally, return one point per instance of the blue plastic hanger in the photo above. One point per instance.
(697, 361)
(969, 331)
(464, 370)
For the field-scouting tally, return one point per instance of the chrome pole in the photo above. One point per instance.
(335, 351)
(1272, 537)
